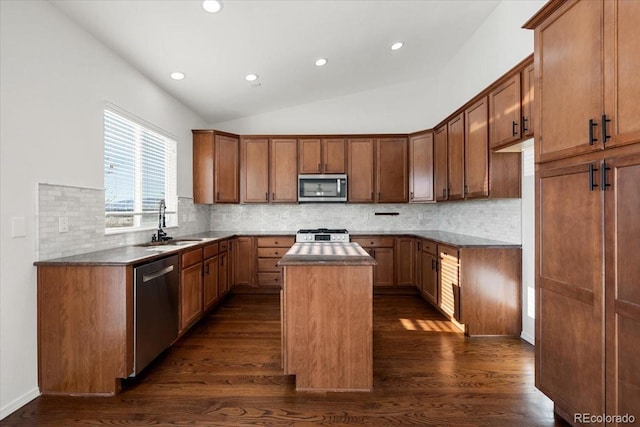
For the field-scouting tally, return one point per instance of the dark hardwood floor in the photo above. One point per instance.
(227, 371)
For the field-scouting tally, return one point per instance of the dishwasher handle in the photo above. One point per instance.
(156, 274)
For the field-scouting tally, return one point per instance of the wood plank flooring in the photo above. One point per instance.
(227, 372)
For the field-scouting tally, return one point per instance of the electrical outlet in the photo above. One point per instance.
(63, 224)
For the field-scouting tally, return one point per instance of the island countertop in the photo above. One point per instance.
(337, 253)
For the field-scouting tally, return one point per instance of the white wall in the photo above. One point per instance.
(55, 80)
(528, 246)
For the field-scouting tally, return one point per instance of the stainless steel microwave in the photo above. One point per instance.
(322, 188)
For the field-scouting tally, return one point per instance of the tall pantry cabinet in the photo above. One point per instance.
(587, 150)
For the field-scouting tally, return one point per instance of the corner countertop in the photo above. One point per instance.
(444, 237)
(323, 253)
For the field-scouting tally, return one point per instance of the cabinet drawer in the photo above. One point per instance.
(271, 252)
(449, 252)
(374, 241)
(210, 250)
(268, 265)
(273, 279)
(278, 241)
(191, 257)
(430, 247)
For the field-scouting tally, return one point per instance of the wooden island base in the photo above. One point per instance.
(327, 319)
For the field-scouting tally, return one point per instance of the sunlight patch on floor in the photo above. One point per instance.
(428, 325)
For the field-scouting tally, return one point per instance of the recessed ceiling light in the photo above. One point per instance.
(397, 45)
(251, 77)
(177, 75)
(320, 62)
(212, 6)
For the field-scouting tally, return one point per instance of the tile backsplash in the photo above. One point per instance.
(491, 219)
(84, 207)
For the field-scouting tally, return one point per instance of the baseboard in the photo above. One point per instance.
(528, 338)
(18, 403)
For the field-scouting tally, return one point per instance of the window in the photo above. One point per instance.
(139, 172)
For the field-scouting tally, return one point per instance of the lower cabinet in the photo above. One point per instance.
(405, 261)
(381, 249)
(224, 269)
(243, 261)
(270, 250)
(449, 281)
(210, 276)
(429, 272)
(190, 287)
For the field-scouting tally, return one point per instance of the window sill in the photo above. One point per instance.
(114, 231)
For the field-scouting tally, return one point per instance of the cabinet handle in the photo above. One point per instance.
(592, 139)
(218, 195)
(273, 196)
(592, 183)
(222, 260)
(433, 264)
(319, 167)
(444, 192)
(605, 137)
(466, 190)
(524, 124)
(379, 196)
(266, 196)
(515, 128)
(603, 181)
(206, 269)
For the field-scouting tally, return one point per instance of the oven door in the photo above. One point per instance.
(322, 188)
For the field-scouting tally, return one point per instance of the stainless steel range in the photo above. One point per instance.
(322, 235)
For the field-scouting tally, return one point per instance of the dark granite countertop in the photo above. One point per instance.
(323, 253)
(132, 255)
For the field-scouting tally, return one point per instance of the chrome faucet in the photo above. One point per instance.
(161, 235)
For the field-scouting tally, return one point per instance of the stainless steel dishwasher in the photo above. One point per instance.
(156, 309)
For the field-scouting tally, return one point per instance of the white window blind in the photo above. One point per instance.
(139, 172)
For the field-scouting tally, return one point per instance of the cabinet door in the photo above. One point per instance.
(622, 62)
(476, 148)
(528, 85)
(255, 170)
(455, 158)
(244, 260)
(622, 204)
(440, 163)
(226, 171)
(569, 287)
(383, 272)
(333, 155)
(190, 295)
(391, 172)
(210, 282)
(203, 167)
(284, 170)
(405, 261)
(421, 168)
(571, 80)
(449, 281)
(223, 271)
(360, 170)
(505, 111)
(310, 157)
(417, 273)
(430, 277)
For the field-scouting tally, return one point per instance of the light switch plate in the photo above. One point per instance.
(18, 226)
(63, 224)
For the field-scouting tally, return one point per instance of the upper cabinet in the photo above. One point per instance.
(377, 170)
(269, 170)
(476, 147)
(528, 89)
(440, 166)
(392, 178)
(316, 155)
(505, 107)
(215, 167)
(595, 76)
(455, 159)
(360, 170)
(421, 167)
(284, 170)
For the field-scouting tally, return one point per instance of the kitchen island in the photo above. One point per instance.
(327, 316)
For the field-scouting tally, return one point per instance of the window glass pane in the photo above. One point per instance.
(139, 172)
